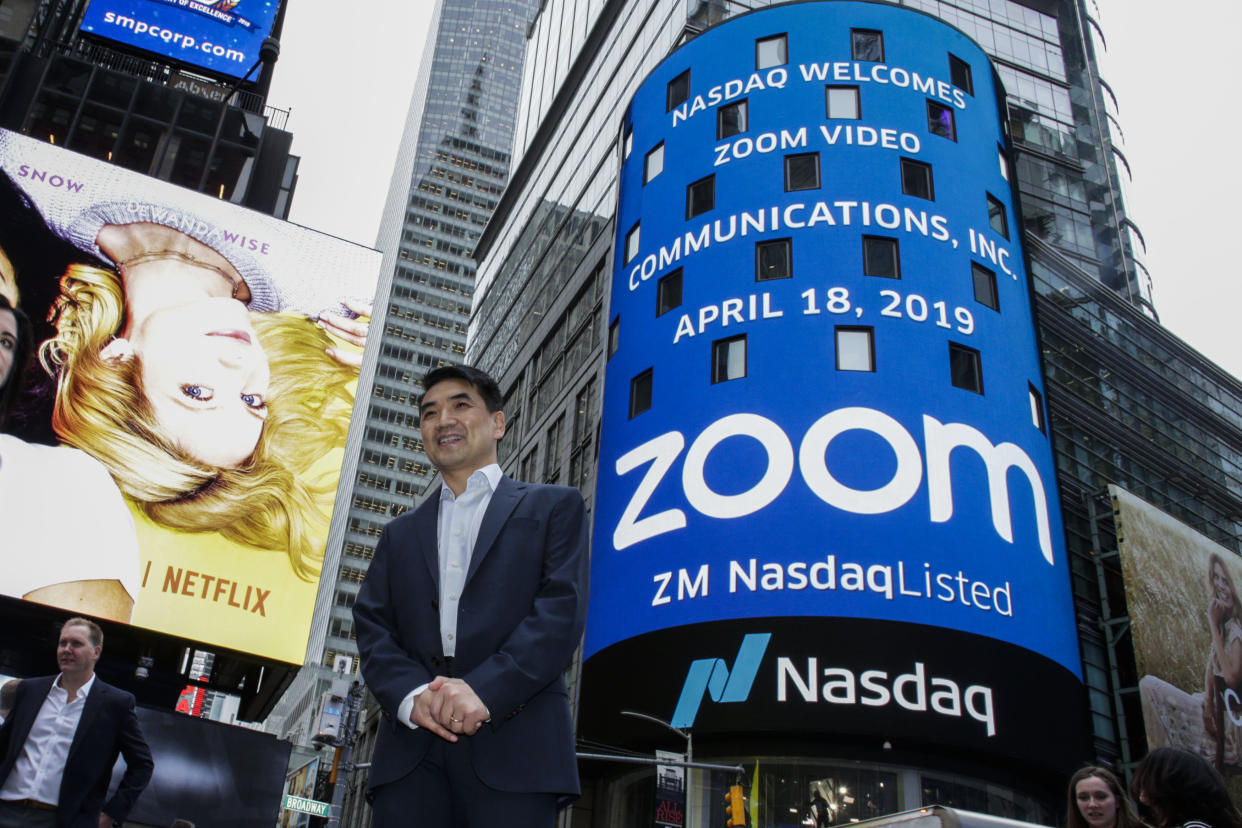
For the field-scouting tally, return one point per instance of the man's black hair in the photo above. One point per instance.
(481, 382)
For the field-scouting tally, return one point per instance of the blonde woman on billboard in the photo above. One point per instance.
(88, 564)
(209, 417)
(1205, 722)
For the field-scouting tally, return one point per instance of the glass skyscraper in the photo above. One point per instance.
(451, 169)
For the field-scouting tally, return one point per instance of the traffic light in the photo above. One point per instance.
(735, 807)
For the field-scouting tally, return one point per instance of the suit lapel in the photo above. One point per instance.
(27, 713)
(426, 529)
(90, 710)
(506, 497)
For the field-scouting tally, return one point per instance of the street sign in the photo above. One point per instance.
(306, 806)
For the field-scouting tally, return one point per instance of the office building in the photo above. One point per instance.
(1125, 402)
(452, 167)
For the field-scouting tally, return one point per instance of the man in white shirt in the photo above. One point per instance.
(62, 738)
(470, 612)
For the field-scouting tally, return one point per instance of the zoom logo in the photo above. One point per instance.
(711, 676)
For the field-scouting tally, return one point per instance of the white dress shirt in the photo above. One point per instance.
(457, 530)
(39, 768)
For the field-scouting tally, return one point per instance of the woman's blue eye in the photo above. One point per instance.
(253, 401)
(197, 392)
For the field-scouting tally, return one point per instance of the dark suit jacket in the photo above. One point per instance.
(108, 726)
(520, 618)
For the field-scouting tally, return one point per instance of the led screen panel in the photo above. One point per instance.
(1186, 619)
(220, 36)
(173, 456)
(826, 500)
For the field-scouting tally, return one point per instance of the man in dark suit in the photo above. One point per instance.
(470, 612)
(61, 740)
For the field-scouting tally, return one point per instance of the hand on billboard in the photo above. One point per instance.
(1218, 612)
(458, 707)
(353, 331)
(425, 713)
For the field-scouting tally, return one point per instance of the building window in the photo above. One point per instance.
(631, 243)
(881, 257)
(842, 102)
(1003, 161)
(867, 44)
(916, 179)
(855, 348)
(959, 74)
(678, 91)
(668, 292)
(996, 216)
(614, 336)
(653, 164)
(771, 51)
(700, 196)
(627, 142)
(940, 120)
(802, 172)
(729, 358)
(965, 369)
(640, 393)
(731, 119)
(552, 451)
(773, 259)
(1037, 408)
(985, 286)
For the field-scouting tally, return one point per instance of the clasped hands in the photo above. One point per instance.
(448, 708)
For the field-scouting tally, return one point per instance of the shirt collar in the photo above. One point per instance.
(488, 476)
(83, 691)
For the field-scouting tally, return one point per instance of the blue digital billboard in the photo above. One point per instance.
(823, 419)
(221, 37)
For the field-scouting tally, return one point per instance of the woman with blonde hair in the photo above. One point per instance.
(85, 564)
(209, 417)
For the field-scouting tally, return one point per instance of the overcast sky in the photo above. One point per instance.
(347, 80)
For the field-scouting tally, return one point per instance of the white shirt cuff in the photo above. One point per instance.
(407, 706)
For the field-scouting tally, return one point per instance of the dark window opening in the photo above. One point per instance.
(678, 91)
(996, 216)
(959, 74)
(985, 286)
(614, 336)
(731, 119)
(881, 257)
(941, 121)
(867, 44)
(700, 196)
(773, 259)
(640, 393)
(965, 368)
(916, 179)
(668, 292)
(802, 172)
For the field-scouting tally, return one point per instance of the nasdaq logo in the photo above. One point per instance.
(711, 676)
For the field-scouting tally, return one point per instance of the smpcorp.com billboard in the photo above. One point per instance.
(826, 499)
(220, 36)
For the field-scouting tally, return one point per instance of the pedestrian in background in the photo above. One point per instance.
(1182, 790)
(1097, 800)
